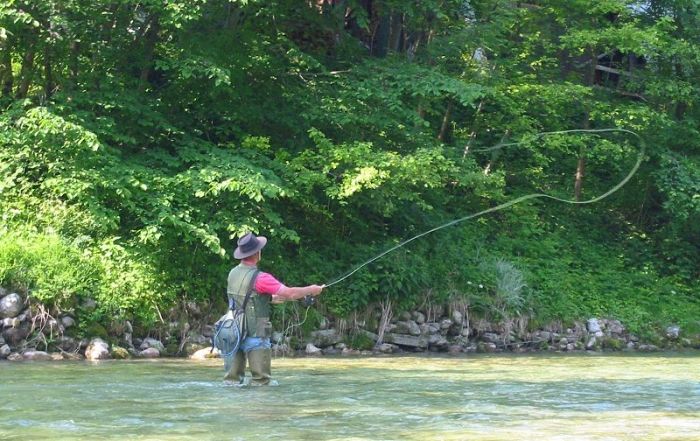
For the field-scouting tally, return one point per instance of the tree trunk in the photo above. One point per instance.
(578, 184)
(396, 31)
(49, 85)
(681, 106)
(149, 50)
(581, 163)
(496, 153)
(472, 135)
(387, 313)
(27, 71)
(73, 65)
(380, 41)
(6, 76)
(445, 126)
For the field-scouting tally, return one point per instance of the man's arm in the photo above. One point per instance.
(286, 293)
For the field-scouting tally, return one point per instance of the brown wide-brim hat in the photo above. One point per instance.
(248, 245)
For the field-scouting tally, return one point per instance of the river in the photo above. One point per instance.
(479, 397)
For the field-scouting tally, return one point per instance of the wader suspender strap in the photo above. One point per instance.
(247, 297)
(250, 289)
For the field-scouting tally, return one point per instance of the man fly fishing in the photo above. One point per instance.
(253, 291)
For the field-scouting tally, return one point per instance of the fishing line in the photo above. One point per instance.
(292, 326)
(638, 163)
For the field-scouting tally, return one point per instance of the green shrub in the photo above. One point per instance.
(359, 341)
(50, 269)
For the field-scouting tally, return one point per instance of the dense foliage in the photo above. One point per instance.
(138, 139)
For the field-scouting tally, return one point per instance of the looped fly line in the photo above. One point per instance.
(640, 158)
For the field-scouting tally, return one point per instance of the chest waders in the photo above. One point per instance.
(257, 324)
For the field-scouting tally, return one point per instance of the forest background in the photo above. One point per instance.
(139, 139)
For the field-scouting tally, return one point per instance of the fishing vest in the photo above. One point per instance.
(257, 311)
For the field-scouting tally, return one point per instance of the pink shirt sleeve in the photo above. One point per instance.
(267, 284)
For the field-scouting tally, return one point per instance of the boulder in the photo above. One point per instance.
(127, 339)
(277, 337)
(349, 351)
(418, 317)
(593, 326)
(281, 349)
(11, 305)
(673, 332)
(67, 321)
(385, 348)
(407, 327)
(36, 355)
(149, 343)
(67, 344)
(372, 336)
(615, 327)
(312, 350)
(429, 328)
(330, 351)
(97, 349)
(445, 324)
(53, 327)
(14, 336)
(407, 340)
(205, 353)
(591, 344)
(486, 347)
(10, 322)
(437, 341)
(325, 338)
(3, 292)
(4, 351)
(197, 338)
(15, 356)
(405, 316)
(149, 353)
(457, 317)
(491, 337)
(119, 353)
(455, 349)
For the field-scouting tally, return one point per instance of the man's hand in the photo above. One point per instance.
(315, 290)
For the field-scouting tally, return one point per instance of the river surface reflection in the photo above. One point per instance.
(543, 397)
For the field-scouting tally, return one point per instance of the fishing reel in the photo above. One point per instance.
(308, 301)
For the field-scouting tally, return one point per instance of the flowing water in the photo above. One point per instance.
(543, 397)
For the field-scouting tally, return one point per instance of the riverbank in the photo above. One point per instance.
(31, 332)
